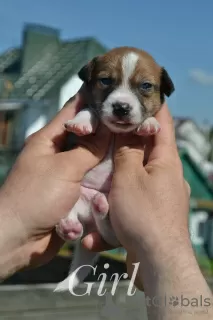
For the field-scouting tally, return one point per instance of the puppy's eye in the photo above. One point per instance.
(106, 81)
(146, 86)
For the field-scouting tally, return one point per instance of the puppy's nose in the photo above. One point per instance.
(121, 109)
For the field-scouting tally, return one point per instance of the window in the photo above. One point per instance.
(5, 127)
(197, 227)
(201, 229)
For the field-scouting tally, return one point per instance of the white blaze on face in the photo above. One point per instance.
(124, 94)
(129, 63)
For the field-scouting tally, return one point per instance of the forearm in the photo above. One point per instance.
(12, 240)
(174, 286)
(12, 261)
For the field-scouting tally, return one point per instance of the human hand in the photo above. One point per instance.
(153, 193)
(42, 187)
(149, 206)
(149, 203)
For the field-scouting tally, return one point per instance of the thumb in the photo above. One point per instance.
(128, 152)
(89, 152)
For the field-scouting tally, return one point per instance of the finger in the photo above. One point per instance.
(89, 152)
(56, 126)
(167, 134)
(163, 146)
(95, 242)
(44, 249)
(128, 152)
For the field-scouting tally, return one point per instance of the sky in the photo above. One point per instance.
(178, 34)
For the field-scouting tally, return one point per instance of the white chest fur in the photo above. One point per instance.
(99, 178)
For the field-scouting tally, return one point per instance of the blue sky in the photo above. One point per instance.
(179, 34)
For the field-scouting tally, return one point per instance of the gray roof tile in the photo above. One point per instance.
(8, 58)
(51, 68)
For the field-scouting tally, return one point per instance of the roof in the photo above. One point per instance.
(9, 57)
(49, 68)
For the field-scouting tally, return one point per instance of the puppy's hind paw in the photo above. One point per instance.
(69, 229)
(100, 206)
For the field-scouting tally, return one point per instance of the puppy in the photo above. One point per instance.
(125, 88)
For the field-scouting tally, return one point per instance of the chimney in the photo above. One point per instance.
(38, 41)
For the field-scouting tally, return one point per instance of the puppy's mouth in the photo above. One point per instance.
(121, 122)
(120, 125)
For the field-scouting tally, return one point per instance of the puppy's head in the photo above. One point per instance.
(126, 87)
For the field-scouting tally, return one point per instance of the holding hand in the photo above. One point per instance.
(41, 189)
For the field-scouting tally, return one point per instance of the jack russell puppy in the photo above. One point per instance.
(125, 88)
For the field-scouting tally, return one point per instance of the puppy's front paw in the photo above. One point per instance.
(80, 129)
(149, 127)
(69, 229)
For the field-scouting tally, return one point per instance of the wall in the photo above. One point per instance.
(69, 89)
(201, 238)
(29, 119)
(190, 132)
(197, 220)
(36, 125)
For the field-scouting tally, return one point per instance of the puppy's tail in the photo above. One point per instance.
(81, 266)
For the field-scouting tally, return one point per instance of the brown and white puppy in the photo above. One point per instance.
(125, 88)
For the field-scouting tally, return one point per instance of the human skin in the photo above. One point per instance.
(149, 207)
(149, 203)
(41, 188)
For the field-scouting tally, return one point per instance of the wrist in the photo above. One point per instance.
(161, 249)
(170, 270)
(12, 261)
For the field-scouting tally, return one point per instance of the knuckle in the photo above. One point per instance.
(127, 154)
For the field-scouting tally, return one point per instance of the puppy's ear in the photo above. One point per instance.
(167, 86)
(85, 72)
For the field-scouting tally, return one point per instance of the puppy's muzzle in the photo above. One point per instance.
(121, 109)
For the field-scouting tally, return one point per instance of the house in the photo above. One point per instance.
(201, 211)
(35, 82)
(187, 130)
(197, 142)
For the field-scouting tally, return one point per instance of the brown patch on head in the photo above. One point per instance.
(105, 66)
(148, 72)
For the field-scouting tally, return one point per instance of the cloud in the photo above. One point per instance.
(201, 77)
